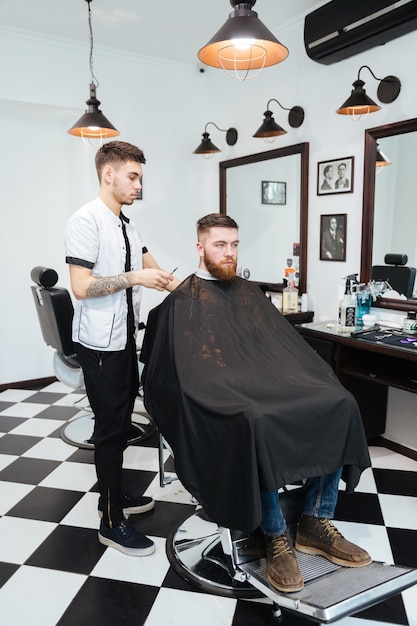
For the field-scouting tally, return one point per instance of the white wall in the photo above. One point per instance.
(46, 174)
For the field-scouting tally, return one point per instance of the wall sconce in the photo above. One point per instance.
(208, 148)
(269, 129)
(243, 46)
(360, 104)
(93, 124)
(381, 159)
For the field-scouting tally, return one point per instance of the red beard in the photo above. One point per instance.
(221, 271)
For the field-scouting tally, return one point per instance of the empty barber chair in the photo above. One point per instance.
(55, 312)
(399, 276)
(230, 563)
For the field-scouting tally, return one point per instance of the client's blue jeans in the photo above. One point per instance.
(320, 499)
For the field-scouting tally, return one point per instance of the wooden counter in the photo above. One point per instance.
(367, 369)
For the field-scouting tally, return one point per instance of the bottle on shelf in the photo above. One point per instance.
(290, 298)
(410, 323)
(347, 308)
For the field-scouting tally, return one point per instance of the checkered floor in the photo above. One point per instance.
(53, 571)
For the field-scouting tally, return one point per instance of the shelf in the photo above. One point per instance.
(381, 378)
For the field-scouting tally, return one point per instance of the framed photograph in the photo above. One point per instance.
(274, 192)
(333, 237)
(335, 176)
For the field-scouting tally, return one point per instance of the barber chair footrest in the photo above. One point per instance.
(331, 592)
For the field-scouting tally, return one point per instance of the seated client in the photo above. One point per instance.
(248, 407)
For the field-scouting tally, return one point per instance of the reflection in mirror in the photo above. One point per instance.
(395, 225)
(272, 218)
(389, 221)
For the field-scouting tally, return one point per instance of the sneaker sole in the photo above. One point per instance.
(124, 549)
(334, 559)
(134, 510)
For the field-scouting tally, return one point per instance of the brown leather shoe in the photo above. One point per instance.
(282, 567)
(319, 536)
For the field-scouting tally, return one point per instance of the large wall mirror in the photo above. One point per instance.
(389, 223)
(267, 194)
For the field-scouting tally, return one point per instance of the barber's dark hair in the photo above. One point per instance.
(117, 152)
(214, 220)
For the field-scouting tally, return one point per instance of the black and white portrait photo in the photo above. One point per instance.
(335, 176)
(333, 237)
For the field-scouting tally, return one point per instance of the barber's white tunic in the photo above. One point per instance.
(94, 239)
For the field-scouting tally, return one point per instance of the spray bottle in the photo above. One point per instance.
(347, 306)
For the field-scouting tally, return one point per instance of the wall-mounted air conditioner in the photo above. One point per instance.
(343, 28)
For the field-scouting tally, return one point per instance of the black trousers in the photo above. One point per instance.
(112, 383)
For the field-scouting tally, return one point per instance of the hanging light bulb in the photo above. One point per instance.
(93, 124)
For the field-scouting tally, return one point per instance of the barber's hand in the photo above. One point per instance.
(154, 278)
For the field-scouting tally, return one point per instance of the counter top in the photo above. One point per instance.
(385, 340)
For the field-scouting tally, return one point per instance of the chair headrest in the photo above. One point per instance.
(395, 259)
(44, 276)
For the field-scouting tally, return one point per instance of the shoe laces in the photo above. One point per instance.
(330, 529)
(280, 546)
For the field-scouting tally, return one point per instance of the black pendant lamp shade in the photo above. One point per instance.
(270, 129)
(381, 158)
(93, 124)
(208, 147)
(359, 103)
(243, 44)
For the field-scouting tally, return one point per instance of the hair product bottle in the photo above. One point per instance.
(347, 309)
(290, 298)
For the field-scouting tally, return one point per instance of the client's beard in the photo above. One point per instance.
(220, 270)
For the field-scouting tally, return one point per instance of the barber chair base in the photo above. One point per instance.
(78, 431)
(331, 592)
(195, 552)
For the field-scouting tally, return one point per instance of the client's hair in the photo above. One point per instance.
(214, 220)
(117, 152)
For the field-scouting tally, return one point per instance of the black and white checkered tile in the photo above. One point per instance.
(54, 572)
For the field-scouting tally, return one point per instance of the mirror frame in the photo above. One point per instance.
(368, 206)
(303, 150)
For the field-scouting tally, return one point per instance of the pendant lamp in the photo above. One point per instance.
(243, 46)
(93, 124)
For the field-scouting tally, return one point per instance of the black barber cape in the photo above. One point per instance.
(243, 400)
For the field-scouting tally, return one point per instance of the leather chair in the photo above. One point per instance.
(55, 312)
(399, 276)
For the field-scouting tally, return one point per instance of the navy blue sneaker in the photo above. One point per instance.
(126, 539)
(132, 505)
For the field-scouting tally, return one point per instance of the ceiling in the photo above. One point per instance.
(144, 27)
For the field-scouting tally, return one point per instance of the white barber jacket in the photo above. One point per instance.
(94, 239)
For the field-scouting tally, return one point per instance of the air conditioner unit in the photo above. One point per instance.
(341, 29)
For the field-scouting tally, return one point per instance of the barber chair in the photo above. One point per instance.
(400, 277)
(55, 312)
(232, 564)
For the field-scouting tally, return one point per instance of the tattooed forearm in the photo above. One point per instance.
(108, 285)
